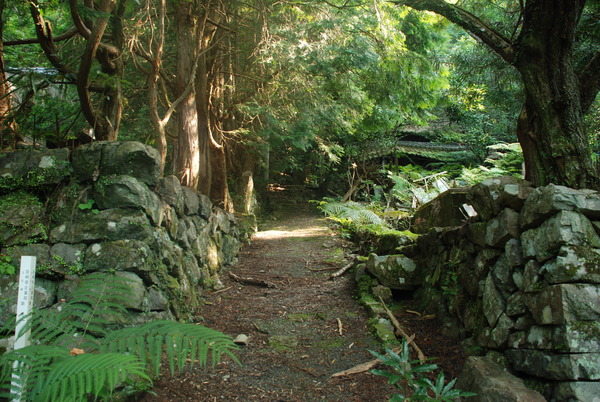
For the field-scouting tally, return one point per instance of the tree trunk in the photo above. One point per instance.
(106, 119)
(186, 155)
(220, 93)
(6, 123)
(210, 83)
(551, 127)
(202, 103)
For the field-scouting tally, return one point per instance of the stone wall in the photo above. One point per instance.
(520, 280)
(105, 207)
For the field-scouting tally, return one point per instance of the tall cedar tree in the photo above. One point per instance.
(550, 127)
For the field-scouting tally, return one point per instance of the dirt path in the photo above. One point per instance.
(293, 328)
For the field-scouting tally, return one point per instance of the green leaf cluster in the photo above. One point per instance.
(405, 371)
(350, 212)
(340, 76)
(76, 355)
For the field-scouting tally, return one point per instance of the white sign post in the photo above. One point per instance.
(24, 307)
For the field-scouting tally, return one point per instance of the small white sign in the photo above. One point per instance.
(24, 307)
(25, 299)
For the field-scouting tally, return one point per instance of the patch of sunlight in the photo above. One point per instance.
(314, 231)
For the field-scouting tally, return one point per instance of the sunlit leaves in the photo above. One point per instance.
(342, 74)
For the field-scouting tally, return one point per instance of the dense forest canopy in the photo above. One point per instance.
(227, 89)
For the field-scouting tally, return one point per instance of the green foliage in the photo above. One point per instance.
(180, 342)
(350, 74)
(88, 206)
(76, 355)
(6, 268)
(21, 212)
(507, 160)
(350, 212)
(413, 181)
(406, 372)
(76, 268)
(50, 373)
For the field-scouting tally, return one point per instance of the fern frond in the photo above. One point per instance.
(99, 300)
(180, 342)
(352, 211)
(48, 372)
(29, 365)
(95, 374)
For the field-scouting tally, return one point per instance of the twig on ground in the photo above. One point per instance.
(251, 281)
(320, 269)
(259, 329)
(345, 268)
(340, 327)
(400, 331)
(361, 368)
(221, 291)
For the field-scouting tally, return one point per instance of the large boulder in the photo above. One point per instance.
(576, 337)
(565, 228)
(67, 259)
(443, 211)
(493, 195)
(127, 192)
(494, 304)
(171, 192)
(117, 158)
(566, 303)
(33, 168)
(577, 391)
(574, 264)
(547, 201)
(553, 366)
(109, 224)
(502, 228)
(45, 292)
(491, 383)
(21, 219)
(87, 160)
(393, 271)
(119, 255)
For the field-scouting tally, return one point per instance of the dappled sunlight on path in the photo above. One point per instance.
(312, 231)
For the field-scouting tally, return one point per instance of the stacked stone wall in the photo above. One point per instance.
(105, 207)
(520, 280)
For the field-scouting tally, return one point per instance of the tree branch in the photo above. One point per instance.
(69, 33)
(79, 24)
(43, 31)
(476, 27)
(86, 64)
(589, 82)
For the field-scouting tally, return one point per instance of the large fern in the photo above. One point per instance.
(101, 359)
(180, 342)
(352, 211)
(51, 373)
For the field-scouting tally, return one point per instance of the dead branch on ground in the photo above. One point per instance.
(251, 281)
(343, 270)
(363, 367)
(400, 332)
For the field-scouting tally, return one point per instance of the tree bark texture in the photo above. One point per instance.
(6, 124)
(210, 84)
(550, 127)
(186, 155)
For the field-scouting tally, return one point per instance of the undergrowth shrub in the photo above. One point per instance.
(404, 372)
(75, 355)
